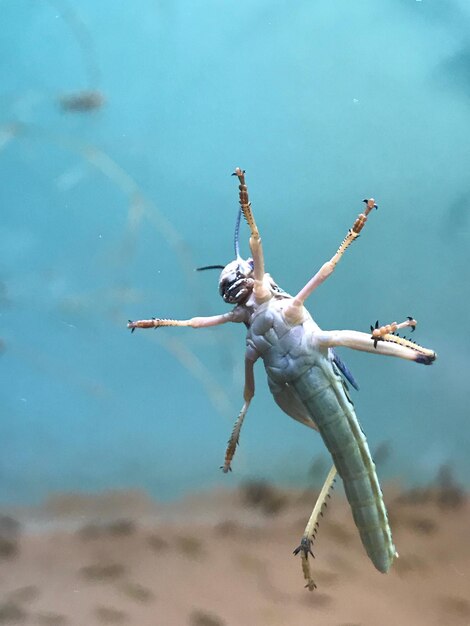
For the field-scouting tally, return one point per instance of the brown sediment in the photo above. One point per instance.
(110, 615)
(410, 563)
(264, 496)
(102, 572)
(51, 619)
(157, 543)
(24, 595)
(12, 613)
(216, 557)
(115, 528)
(10, 530)
(9, 548)
(203, 618)
(326, 579)
(341, 533)
(136, 592)
(424, 525)
(317, 600)
(190, 546)
(455, 606)
(227, 528)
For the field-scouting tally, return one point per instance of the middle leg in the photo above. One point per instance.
(293, 311)
(248, 394)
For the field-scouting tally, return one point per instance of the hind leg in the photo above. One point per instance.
(305, 547)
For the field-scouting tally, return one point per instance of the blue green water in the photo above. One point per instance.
(104, 214)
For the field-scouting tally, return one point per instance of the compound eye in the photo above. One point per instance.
(223, 286)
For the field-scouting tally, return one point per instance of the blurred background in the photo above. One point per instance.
(120, 124)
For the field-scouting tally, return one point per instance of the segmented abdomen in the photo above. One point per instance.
(322, 394)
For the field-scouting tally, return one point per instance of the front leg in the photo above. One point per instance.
(294, 311)
(381, 341)
(260, 289)
(194, 322)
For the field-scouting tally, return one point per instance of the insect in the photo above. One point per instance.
(305, 375)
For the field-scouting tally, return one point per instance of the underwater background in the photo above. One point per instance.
(109, 202)
(120, 126)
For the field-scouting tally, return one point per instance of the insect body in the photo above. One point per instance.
(304, 376)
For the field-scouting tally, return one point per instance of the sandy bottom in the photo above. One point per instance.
(225, 559)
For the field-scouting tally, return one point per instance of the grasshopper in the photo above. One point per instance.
(305, 375)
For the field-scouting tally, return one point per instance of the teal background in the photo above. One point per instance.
(104, 215)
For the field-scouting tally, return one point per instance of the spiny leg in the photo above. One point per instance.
(248, 394)
(294, 309)
(381, 341)
(380, 332)
(260, 290)
(194, 322)
(305, 547)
